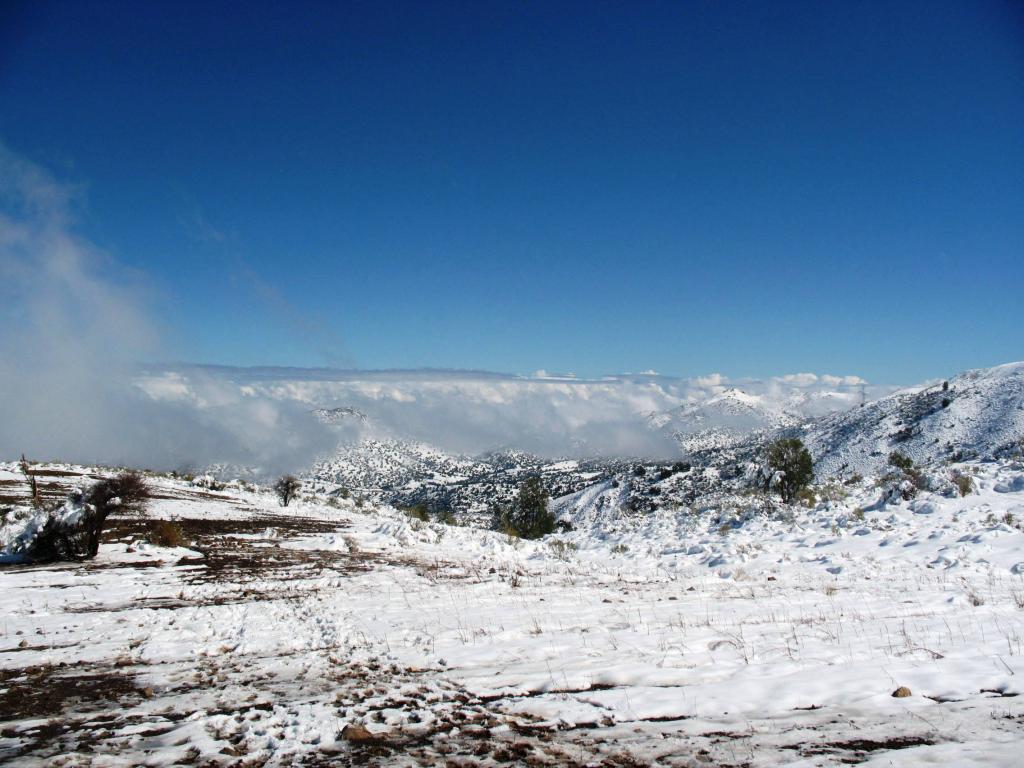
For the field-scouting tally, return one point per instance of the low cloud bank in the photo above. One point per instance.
(474, 412)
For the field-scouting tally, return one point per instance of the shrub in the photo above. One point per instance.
(964, 483)
(791, 467)
(562, 549)
(901, 461)
(73, 530)
(807, 497)
(286, 489)
(446, 517)
(33, 486)
(639, 470)
(418, 512)
(164, 533)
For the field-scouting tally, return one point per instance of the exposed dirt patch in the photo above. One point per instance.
(48, 690)
(859, 749)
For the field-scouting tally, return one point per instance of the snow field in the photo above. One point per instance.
(739, 637)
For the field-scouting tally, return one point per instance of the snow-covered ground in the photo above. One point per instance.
(331, 633)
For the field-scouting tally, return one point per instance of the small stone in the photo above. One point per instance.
(901, 693)
(23, 644)
(358, 733)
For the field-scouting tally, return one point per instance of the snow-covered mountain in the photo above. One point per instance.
(723, 419)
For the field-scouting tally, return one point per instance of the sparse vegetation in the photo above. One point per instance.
(34, 498)
(562, 549)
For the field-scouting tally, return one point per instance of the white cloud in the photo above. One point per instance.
(800, 379)
(711, 380)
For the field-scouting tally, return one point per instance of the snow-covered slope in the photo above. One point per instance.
(979, 413)
(376, 465)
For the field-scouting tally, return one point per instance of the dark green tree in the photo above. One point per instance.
(528, 516)
(790, 466)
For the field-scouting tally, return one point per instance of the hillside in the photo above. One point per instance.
(979, 413)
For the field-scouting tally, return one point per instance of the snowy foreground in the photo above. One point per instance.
(329, 634)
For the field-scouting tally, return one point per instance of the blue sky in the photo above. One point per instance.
(750, 188)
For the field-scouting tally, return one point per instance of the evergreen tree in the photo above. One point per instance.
(791, 467)
(528, 516)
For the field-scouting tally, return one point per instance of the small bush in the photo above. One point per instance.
(964, 483)
(639, 470)
(562, 549)
(446, 517)
(807, 497)
(901, 461)
(164, 533)
(418, 512)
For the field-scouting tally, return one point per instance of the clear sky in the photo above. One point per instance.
(751, 188)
